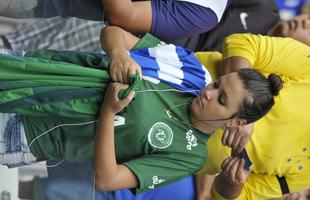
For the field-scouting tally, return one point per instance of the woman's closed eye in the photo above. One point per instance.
(221, 98)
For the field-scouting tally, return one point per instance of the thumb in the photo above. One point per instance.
(129, 97)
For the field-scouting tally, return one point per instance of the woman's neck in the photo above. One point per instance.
(200, 125)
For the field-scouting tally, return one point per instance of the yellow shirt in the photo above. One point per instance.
(280, 144)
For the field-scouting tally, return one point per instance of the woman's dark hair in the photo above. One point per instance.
(261, 90)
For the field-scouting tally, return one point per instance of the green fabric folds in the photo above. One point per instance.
(52, 83)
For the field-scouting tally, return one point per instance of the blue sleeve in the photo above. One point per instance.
(173, 20)
(183, 189)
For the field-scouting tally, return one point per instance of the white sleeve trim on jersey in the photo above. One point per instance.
(218, 6)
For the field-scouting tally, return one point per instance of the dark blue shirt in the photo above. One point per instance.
(173, 20)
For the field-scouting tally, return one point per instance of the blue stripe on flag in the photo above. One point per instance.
(173, 65)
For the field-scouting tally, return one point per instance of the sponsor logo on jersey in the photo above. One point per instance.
(119, 120)
(160, 135)
(156, 180)
(191, 140)
(243, 17)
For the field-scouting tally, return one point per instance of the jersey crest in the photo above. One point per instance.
(160, 135)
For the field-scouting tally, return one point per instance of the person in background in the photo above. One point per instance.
(242, 17)
(275, 169)
(168, 20)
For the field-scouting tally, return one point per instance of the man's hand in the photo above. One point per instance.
(122, 65)
(230, 181)
(111, 102)
(236, 137)
(234, 172)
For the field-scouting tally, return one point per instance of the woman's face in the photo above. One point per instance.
(220, 100)
(297, 28)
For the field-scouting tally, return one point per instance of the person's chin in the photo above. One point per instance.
(193, 106)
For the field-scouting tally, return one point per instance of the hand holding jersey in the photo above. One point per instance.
(122, 66)
(111, 102)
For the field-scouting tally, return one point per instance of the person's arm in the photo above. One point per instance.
(108, 174)
(132, 16)
(230, 181)
(112, 37)
(203, 184)
(267, 54)
(115, 42)
(232, 64)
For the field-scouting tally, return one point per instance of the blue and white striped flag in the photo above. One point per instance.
(174, 65)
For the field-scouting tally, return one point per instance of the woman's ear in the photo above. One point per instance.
(236, 122)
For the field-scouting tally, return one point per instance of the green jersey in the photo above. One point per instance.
(59, 94)
(153, 137)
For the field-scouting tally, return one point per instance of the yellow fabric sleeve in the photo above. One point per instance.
(284, 56)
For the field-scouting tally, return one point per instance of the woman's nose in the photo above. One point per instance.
(210, 93)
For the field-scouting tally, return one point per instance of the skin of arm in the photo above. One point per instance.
(132, 16)
(108, 174)
(232, 64)
(203, 183)
(115, 42)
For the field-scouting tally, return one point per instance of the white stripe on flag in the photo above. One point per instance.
(208, 78)
(169, 63)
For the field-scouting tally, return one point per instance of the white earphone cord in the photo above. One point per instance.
(51, 129)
